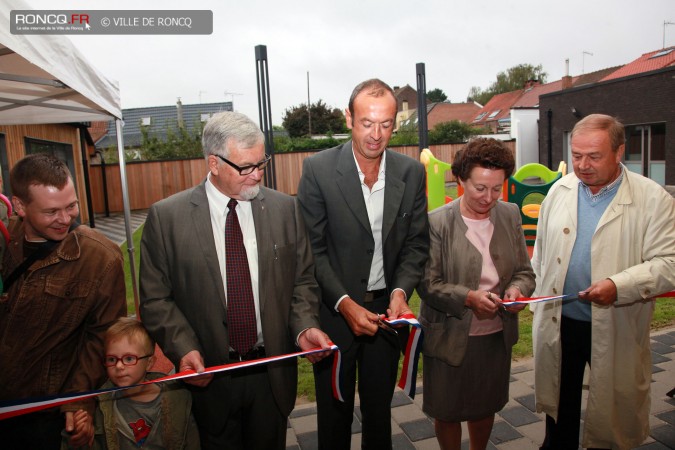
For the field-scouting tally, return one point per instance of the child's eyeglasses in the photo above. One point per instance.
(127, 360)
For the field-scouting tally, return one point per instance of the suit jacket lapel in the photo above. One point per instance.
(263, 237)
(393, 194)
(349, 183)
(201, 223)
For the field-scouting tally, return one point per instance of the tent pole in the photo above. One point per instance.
(127, 214)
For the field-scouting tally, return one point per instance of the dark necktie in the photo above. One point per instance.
(241, 325)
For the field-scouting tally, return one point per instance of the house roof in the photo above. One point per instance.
(655, 60)
(530, 97)
(446, 112)
(497, 107)
(159, 120)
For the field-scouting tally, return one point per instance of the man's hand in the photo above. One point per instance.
(398, 306)
(511, 294)
(80, 425)
(602, 292)
(312, 338)
(481, 303)
(193, 361)
(360, 320)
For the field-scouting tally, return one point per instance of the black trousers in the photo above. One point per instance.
(375, 360)
(575, 338)
(36, 431)
(254, 420)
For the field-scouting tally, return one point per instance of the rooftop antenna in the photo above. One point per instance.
(583, 58)
(664, 31)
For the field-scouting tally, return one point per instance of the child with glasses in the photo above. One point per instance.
(150, 416)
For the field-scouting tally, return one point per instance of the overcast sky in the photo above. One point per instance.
(341, 43)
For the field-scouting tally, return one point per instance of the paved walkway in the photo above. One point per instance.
(517, 426)
(113, 226)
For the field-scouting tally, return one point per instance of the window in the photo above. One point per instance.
(494, 114)
(661, 53)
(61, 150)
(146, 121)
(479, 117)
(646, 150)
(205, 117)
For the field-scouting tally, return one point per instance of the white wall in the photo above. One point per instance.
(525, 131)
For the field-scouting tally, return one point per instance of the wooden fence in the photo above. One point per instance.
(151, 181)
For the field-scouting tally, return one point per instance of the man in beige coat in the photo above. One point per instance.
(606, 239)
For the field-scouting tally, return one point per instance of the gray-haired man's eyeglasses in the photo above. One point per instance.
(247, 170)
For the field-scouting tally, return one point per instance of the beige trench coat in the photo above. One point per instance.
(634, 246)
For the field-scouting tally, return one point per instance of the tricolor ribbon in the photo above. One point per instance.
(410, 359)
(19, 407)
(530, 300)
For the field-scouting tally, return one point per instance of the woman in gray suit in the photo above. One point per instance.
(478, 257)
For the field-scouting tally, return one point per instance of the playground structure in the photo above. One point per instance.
(518, 188)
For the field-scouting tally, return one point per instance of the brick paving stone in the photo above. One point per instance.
(653, 446)
(668, 416)
(658, 359)
(656, 369)
(661, 349)
(664, 434)
(356, 426)
(666, 339)
(418, 429)
(503, 432)
(400, 399)
(520, 369)
(528, 401)
(519, 415)
(401, 442)
(308, 441)
(407, 413)
(301, 412)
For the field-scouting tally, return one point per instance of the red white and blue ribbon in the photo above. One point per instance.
(408, 379)
(26, 406)
(530, 300)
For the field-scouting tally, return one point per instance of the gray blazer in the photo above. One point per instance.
(183, 300)
(335, 213)
(454, 268)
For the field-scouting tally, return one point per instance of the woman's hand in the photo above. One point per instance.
(482, 303)
(513, 293)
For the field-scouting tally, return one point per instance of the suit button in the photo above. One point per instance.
(554, 319)
(647, 292)
(566, 230)
(555, 291)
(558, 260)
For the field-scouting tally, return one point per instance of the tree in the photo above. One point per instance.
(324, 120)
(453, 131)
(436, 95)
(511, 80)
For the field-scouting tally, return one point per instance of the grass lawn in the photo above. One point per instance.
(131, 308)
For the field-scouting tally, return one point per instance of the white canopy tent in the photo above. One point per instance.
(44, 80)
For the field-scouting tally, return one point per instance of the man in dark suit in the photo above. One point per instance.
(186, 284)
(366, 212)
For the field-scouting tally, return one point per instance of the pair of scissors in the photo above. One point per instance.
(385, 326)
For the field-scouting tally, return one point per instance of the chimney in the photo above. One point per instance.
(531, 83)
(567, 79)
(179, 113)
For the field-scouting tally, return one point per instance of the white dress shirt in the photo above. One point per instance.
(218, 209)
